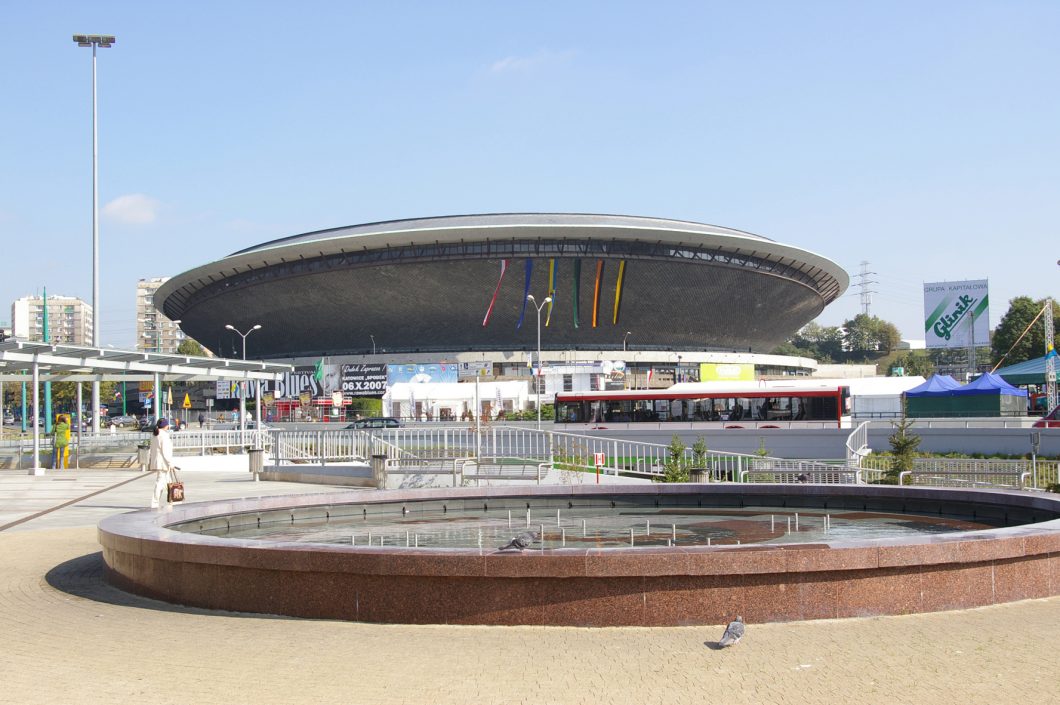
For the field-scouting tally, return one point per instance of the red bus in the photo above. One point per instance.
(780, 405)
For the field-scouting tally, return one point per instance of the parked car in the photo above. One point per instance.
(122, 421)
(376, 422)
(1050, 420)
(9, 419)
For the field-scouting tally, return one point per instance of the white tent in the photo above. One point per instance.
(435, 400)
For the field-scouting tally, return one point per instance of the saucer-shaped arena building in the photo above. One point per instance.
(459, 283)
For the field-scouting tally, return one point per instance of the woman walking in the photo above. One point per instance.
(160, 459)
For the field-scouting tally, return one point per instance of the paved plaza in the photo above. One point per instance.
(71, 638)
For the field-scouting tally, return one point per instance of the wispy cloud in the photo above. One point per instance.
(133, 209)
(543, 58)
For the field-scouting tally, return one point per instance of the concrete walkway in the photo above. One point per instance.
(68, 637)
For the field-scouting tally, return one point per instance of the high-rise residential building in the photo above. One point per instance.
(69, 320)
(154, 332)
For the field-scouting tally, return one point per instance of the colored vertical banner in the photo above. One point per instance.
(596, 289)
(577, 287)
(504, 268)
(526, 291)
(618, 290)
(551, 289)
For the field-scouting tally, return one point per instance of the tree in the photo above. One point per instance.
(824, 344)
(903, 445)
(870, 334)
(189, 346)
(913, 363)
(674, 469)
(1021, 311)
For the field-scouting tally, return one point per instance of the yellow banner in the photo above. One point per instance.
(726, 372)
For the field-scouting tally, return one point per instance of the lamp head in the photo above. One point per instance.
(256, 327)
(229, 326)
(531, 299)
(548, 300)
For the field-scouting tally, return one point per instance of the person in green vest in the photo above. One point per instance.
(62, 442)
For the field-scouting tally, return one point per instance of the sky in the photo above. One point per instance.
(921, 138)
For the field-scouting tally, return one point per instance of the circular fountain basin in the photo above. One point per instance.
(310, 556)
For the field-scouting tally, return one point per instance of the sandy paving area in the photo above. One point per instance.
(71, 638)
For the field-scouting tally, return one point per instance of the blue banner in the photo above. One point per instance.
(416, 374)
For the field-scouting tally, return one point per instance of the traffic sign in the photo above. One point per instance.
(187, 401)
(600, 459)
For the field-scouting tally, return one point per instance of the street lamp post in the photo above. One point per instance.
(537, 382)
(104, 41)
(628, 332)
(373, 342)
(242, 385)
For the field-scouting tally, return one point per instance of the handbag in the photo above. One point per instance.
(175, 489)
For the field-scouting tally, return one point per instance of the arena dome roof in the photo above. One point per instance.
(428, 282)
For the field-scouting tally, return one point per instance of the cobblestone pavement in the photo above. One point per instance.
(68, 637)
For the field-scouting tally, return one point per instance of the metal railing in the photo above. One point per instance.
(964, 472)
(800, 471)
(858, 444)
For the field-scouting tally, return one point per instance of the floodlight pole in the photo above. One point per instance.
(94, 41)
(537, 382)
(242, 385)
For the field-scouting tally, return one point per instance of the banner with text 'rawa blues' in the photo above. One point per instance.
(956, 314)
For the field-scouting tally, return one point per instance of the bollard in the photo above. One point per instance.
(369, 538)
(647, 527)
(708, 540)
(353, 540)
(674, 528)
(406, 539)
(509, 518)
(416, 538)
(772, 523)
(583, 529)
(480, 538)
(528, 517)
(557, 517)
(789, 525)
(541, 528)
(562, 537)
(631, 536)
(796, 521)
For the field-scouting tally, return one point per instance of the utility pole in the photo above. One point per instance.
(863, 284)
(1050, 357)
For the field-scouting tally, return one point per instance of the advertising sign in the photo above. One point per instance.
(723, 372)
(955, 314)
(227, 389)
(416, 374)
(303, 380)
(474, 369)
(364, 379)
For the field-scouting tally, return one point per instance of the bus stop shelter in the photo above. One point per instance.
(27, 362)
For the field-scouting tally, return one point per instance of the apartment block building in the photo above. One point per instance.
(69, 320)
(154, 332)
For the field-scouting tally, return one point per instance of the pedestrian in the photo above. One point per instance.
(61, 456)
(160, 460)
(202, 418)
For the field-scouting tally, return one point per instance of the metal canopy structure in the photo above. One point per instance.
(73, 363)
(33, 362)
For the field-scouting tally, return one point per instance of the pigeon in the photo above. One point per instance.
(733, 633)
(523, 540)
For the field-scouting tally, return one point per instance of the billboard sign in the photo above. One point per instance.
(955, 314)
(303, 381)
(416, 374)
(475, 369)
(364, 379)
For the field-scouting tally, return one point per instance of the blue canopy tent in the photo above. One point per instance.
(987, 395)
(933, 386)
